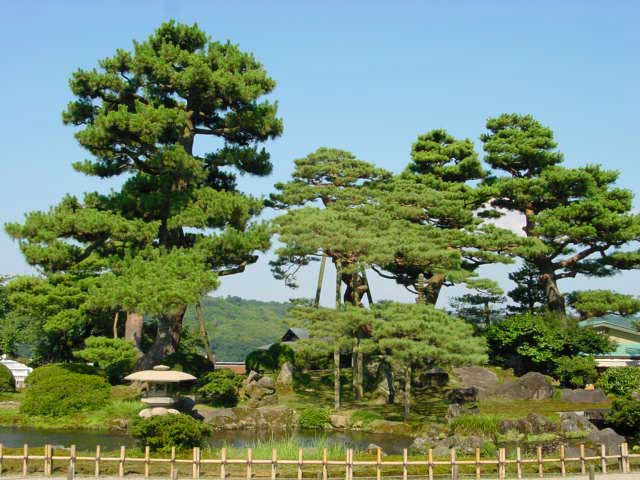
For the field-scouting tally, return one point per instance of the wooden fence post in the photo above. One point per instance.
(501, 465)
(121, 462)
(97, 462)
(624, 458)
(1, 456)
(25, 460)
(173, 474)
(196, 463)
(249, 463)
(223, 463)
(72, 463)
(563, 466)
(430, 460)
(603, 458)
(274, 463)
(477, 463)
(519, 462)
(378, 462)
(405, 466)
(147, 461)
(46, 460)
(540, 462)
(454, 465)
(300, 464)
(583, 465)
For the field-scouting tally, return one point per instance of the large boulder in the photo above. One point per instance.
(608, 437)
(463, 395)
(530, 386)
(583, 396)
(218, 418)
(340, 420)
(531, 424)
(276, 417)
(285, 377)
(381, 395)
(258, 390)
(575, 422)
(483, 379)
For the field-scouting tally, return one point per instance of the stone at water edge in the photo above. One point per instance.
(573, 422)
(463, 395)
(285, 377)
(157, 412)
(339, 420)
(608, 437)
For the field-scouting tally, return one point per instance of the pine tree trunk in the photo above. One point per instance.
(338, 283)
(133, 329)
(360, 373)
(555, 299)
(205, 336)
(166, 341)
(336, 377)
(433, 288)
(323, 262)
(115, 324)
(356, 364)
(407, 392)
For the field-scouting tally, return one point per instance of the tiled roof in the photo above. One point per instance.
(612, 321)
(624, 350)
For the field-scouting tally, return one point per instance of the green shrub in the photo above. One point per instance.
(65, 394)
(55, 369)
(270, 360)
(620, 381)
(116, 356)
(624, 416)
(314, 418)
(576, 372)
(166, 431)
(125, 392)
(7, 383)
(220, 388)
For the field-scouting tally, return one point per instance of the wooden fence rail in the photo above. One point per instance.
(27, 463)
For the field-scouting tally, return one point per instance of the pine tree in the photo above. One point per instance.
(139, 115)
(423, 336)
(596, 303)
(529, 295)
(580, 221)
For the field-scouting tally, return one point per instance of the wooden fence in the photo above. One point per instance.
(324, 468)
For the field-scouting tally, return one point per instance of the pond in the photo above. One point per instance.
(14, 437)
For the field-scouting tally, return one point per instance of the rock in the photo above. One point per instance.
(373, 448)
(463, 395)
(185, 403)
(339, 420)
(157, 412)
(608, 437)
(422, 444)
(583, 396)
(216, 417)
(267, 383)
(531, 424)
(381, 394)
(574, 422)
(530, 386)
(285, 377)
(259, 390)
(455, 410)
(276, 417)
(387, 426)
(481, 378)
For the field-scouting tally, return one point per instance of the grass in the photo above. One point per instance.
(512, 409)
(481, 424)
(114, 415)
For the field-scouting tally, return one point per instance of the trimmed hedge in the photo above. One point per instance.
(56, 369)
(166, 431)
(270, 360)
(220, 388)
(7, 382)
(60, 395)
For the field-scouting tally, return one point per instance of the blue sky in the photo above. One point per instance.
(363, 76)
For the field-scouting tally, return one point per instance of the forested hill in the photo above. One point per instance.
(237, 326)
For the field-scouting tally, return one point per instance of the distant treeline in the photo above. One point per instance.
(237, 326)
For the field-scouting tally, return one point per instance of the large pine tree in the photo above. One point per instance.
(139, 114)
(581, 223)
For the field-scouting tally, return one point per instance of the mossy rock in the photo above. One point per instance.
(387, 426)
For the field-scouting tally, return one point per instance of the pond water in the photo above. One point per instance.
(13, 437)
